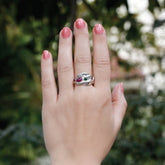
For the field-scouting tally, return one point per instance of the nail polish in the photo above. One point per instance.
(80, 23)
(46, 54)
(122, 87)
(65, 32)
(98, 29)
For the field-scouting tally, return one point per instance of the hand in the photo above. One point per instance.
(80, 124)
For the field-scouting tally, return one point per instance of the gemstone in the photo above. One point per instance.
(85, 79)
(79, 79)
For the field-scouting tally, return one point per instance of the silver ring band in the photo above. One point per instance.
(83, 79)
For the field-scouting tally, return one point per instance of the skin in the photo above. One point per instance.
(80, 123)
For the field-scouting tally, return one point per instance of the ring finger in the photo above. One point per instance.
(82, 55)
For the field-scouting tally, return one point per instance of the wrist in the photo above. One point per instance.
(78, 163)
(74, 162)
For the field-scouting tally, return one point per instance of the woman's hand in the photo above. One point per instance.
(80, 123)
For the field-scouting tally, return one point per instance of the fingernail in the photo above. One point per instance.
(122, 87)
(80, 23)
(98, 29)
(65, 32)
(46, 54)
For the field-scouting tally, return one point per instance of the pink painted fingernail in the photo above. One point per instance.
(65, 32)
(80, 23)
(46, 54)
(122, 87)
(98, 29)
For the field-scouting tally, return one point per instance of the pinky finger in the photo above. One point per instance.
(49, 89)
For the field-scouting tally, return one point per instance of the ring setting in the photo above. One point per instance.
(83, 79)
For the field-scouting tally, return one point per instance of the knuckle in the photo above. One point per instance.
(83, 59)
(65, 68)
(77, 100)
(84, 99)
(102, 62)
(46, 83)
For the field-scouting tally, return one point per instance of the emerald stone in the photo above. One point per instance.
(85, 79)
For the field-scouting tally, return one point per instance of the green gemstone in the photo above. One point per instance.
(85, 79)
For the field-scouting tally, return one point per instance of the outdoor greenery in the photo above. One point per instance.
(29, 27)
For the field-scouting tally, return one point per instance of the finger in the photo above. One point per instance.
(82, 55)
(49, 91)
(101, 61)
(119, 104)
(65, 62)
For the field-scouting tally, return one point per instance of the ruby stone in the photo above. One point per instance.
(79, 79)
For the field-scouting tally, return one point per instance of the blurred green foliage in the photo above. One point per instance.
(29, 27)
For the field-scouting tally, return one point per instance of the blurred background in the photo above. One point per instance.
(136, 38)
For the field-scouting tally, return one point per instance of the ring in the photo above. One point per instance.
(83, 79)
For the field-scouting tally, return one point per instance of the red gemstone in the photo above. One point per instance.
(79, 79)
